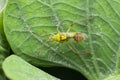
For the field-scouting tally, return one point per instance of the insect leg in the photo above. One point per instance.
(76, 51)
(58, 29)
(72, 24)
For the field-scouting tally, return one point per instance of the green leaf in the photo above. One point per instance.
(4, 48)
(28, 23)
(17, 69)
(3, 42)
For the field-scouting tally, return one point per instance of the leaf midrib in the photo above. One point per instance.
(90, 43)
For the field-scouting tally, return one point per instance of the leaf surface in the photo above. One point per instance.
(17, 69)
(29, 24)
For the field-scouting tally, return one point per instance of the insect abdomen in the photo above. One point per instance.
(79, 37)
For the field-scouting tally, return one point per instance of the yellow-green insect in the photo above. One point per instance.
(65, 36)
(60, 37)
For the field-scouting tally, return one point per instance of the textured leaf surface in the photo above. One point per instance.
(28, 23)
(18, 69)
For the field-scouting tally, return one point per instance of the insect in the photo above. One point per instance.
(61, 37)
(65, 36)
